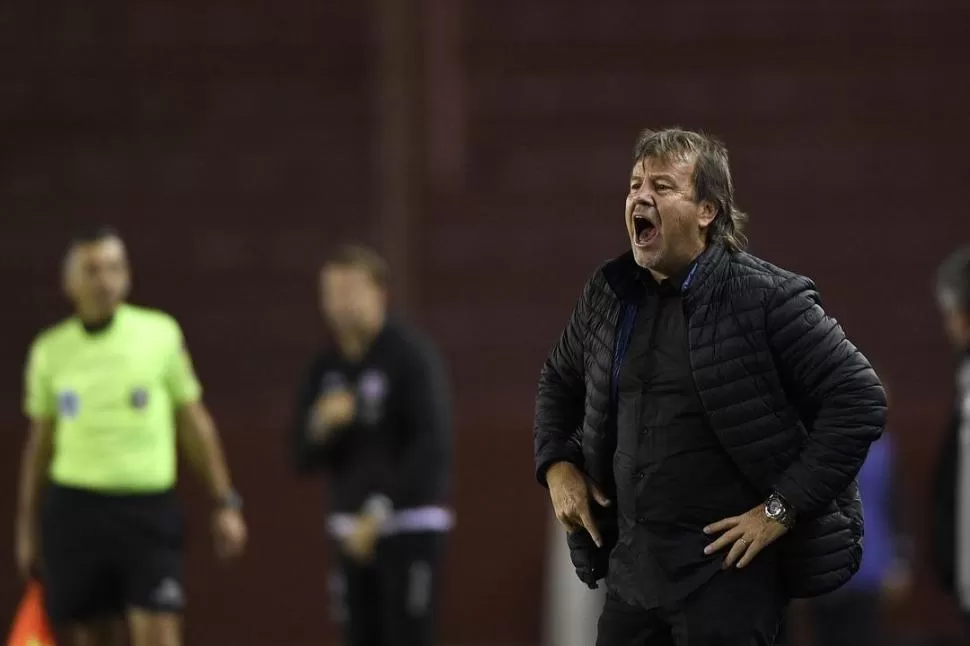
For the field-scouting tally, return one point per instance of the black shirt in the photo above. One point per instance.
(399, 442)
(672, 475)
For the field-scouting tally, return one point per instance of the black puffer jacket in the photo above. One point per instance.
(791, 400)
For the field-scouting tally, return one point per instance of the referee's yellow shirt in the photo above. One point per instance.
(112, 396)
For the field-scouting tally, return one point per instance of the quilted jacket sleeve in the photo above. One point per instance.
(829, 376)
(561, 398)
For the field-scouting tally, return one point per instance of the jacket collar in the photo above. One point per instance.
(622, 273)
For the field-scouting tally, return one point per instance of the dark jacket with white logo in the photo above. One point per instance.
(790, 399)
(399, 442)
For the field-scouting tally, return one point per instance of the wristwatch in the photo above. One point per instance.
(778, 510)
(232, 501)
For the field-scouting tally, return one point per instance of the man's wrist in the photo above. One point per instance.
(378, 507)
(778, 509)
(318, 424)
(556, 471)
(25, 524)
(229, 501)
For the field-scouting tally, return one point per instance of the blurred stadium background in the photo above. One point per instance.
(483, 146)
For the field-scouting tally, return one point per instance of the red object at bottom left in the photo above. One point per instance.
(30, 625)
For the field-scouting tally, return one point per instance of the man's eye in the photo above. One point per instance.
(662, 187)
(635, 186)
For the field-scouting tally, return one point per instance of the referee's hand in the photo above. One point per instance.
(570, 492)
(229, 530)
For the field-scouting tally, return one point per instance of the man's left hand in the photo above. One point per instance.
(747, 535)
(361, 543)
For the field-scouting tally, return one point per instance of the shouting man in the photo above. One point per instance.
(701, 420)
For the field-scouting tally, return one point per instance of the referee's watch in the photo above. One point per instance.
(778, 510)
(231, 501)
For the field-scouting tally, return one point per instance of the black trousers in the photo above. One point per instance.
(391, 601)
(735, 608)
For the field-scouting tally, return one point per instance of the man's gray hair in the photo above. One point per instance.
(711, 178)
(953, 280)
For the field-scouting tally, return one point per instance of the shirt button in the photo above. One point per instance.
(641, 475)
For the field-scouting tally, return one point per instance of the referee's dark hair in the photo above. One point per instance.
(360, 257)
(953, 279)
(94, 234)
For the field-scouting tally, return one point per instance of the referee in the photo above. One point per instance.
(374, 416)
(109, 393)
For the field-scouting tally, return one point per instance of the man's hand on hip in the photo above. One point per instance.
(570, 492)
(361, 544)
(747, 535)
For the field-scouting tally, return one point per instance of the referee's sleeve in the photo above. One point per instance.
(182, 383)
(39, 400)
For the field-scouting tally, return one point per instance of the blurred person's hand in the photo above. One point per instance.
(26, 548)
(229, 532)
(361, 543)
(570, 492)
(333, 409)
(897, 584)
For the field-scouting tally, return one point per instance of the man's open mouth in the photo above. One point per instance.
(644, 231)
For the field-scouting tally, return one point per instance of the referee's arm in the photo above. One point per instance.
(197, 433)
(40, 407)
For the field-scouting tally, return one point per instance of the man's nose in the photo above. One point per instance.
(644, 197)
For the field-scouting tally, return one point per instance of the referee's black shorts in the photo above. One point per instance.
(102, 554)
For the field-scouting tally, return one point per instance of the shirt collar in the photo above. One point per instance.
(674, 284)
(626, 278)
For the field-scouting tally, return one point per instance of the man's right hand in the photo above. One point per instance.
(570, 492)
(26, 549)
(333, 409)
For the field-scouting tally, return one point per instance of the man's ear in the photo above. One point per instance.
(708, 213)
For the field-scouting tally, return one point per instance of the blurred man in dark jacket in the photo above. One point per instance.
(374, 415)
(708, 406)
(951, 496)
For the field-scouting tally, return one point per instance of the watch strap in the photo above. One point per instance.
(232, 501)
(787, 516)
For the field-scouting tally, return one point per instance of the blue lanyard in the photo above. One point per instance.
(628, 316)
(690, 278)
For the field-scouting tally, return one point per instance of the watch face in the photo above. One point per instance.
(775, 508)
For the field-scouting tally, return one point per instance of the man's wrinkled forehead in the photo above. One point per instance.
(673, 164)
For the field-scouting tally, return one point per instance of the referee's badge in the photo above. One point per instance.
(68, 404)
(139, 398)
